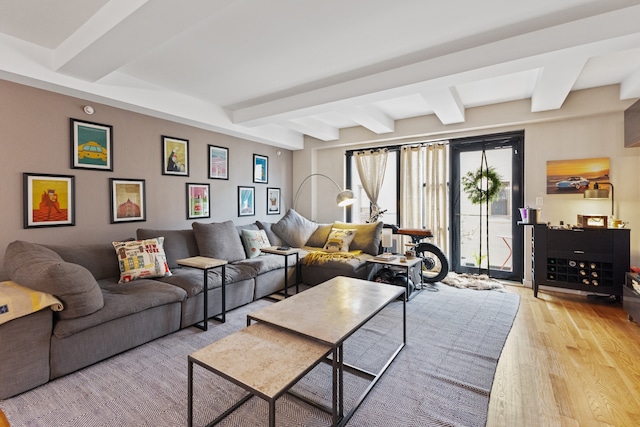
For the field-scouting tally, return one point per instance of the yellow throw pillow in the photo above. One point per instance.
(141, 259)
(339, 240)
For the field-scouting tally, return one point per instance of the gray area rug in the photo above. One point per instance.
(443, 377)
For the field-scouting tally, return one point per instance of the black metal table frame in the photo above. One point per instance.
(340, 419)
(222, 317)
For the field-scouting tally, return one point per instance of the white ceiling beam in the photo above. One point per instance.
(371, 118)
(313, 127)
(515, 54)
(124, 30)
(630, 87)
(555, 81)
(446, 104)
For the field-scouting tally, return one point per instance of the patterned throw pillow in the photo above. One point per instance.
(141, 259)
(339, 240)
(253, 241)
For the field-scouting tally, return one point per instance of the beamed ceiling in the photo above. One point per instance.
(274, 71)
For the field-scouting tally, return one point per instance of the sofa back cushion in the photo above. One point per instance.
(178, 244)
(320, 236)
(368, 236)
(98, 258)
(219, 240)
(41, 269)
(294, 229)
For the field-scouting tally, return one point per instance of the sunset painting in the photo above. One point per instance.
(575, 176)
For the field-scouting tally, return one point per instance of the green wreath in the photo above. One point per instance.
(472, 185)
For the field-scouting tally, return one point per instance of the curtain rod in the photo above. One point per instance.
(397, 147)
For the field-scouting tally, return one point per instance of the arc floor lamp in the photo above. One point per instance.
(344, 198)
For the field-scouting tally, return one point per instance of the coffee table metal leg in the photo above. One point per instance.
(190, 394)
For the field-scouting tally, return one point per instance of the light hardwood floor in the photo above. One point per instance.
(567, 362)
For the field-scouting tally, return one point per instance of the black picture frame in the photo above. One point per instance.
(260, 169)
(175, 156)
(128, 200)
(198, 200)
(48, 200)
(273, 201)
(218, 162)
(91, 145)
(246, 201)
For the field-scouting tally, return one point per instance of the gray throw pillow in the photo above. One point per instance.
(368, 236)
(41, 269)
(274, 239)
(294, 229)
(219, 240)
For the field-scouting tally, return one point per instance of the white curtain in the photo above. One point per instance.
(423, 189)
(372, 165)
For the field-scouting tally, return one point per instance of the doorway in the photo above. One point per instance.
(501, 255)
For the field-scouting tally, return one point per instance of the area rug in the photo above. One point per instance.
(443, 376)
(479, 282)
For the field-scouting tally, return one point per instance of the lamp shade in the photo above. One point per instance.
(345, 198)
(599, 193)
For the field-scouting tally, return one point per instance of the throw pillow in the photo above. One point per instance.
(141, 259)
(294, 229)
(319, 237)
(369, 236)
(253, 241)
(339, 240)
(273, 237)
(41, 269)
(219, 240)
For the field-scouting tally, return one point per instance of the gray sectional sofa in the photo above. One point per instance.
(103, 316)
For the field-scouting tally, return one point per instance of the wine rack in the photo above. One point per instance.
(593, 260)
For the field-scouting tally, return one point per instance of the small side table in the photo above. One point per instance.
(411, 262)
(293, 251)
(205, 264)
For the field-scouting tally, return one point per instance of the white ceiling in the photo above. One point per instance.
(273, 71)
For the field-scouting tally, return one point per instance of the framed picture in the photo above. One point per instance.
(91, 145)
(573, 176)
(273, 201)
(246, 201)
(175, 156)
(260, 169)
(49, 200)
(218, 162)
(197, 201)
(128, 202)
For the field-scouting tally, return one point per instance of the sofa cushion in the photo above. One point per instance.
(339, 240)
(141, 259)
(368, 236)
(219, 240)
(274, 239)
(41, 269)
(253, 241)
(178, 244)
(294, 229)
(122, 300)
(99, 258)
(319, 237)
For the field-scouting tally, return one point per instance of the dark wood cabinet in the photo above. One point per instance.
(586, 259)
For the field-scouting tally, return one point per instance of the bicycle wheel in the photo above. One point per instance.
(435, 265)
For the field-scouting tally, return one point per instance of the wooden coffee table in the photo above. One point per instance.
(330, 313)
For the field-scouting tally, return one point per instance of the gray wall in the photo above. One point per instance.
(35, 137)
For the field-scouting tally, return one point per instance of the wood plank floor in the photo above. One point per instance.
(568, 361)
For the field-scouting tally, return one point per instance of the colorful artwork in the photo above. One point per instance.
(246, 205)
(197, 201)
(260, 169)
(91, 145)
(218, 162)
(127, 200)
(175, 156)
(576, 175)
(49, 200)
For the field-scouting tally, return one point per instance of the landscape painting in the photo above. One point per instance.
(576, 175)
